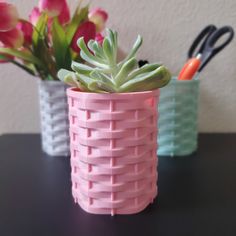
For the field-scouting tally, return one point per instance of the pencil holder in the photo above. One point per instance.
(113, 150)
(178, 113)
(54, 118)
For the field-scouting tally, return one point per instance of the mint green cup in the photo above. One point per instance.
(178, 115)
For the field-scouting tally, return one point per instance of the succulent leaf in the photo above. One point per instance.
(105, 79)
(146, 68)
(87, 56)
(69, 78)
(147, 81)
(134, 49)
(81, 68)
(108, 51)
(126, 68)
(96, 49)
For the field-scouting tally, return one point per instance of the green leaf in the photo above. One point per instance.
(84, 79)
(67, 77)
(144, 69)
(112, 37)
(87, 56)
(85, 69)
(48, 63)
(81, 68)
(62, 73)
(104, 78)
(41, 49)
(21, 55)
(92, 84)
(136, 46)
(133, 51)
(108, 51)
(125, 70)
(70, 78)
(40, 29)
(100, 87)
(96, 49)
(147, 81)
(60, 46)
(80, 15)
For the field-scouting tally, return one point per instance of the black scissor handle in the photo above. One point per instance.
(210, 43)
(210, 50)
(201, 38)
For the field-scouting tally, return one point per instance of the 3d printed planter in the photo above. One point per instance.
(177, 123)
(113, 150)
(54, 118)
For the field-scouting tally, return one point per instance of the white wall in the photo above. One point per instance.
(168, 28)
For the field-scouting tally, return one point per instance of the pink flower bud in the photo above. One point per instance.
(13, 38)
(8, 16)
(86, 30)
(99, 18)
(64, 16)
(99, 38)
(34, 15)
(52, 7)
(27, 30)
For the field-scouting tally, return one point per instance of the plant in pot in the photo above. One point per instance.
(113, 127)
(42, 45)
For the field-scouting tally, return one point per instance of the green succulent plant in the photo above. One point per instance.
(103, 74)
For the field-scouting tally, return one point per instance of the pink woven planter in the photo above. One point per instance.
(113, 150)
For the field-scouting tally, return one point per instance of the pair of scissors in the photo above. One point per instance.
(206, 42)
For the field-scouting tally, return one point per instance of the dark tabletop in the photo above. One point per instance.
(197, 194)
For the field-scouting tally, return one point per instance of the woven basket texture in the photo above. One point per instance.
(177, 123)
(54, 118)
(113, 151)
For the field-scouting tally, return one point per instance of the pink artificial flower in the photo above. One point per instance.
(86, 30)
(99, 18)
(34, 15)
(27, 30)
(8, 16)
(13, 38)
(52, 7)
(63, 19)
(64, 16)
(99, 38)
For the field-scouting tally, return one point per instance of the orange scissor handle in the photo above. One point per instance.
(189, 69)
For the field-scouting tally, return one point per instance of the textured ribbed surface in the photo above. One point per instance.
(177, 124)
(54, 118)
(113, 151)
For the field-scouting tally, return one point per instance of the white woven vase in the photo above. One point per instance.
(54, 118)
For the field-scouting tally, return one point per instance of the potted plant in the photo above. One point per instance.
(42, 45)
(113, 127)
